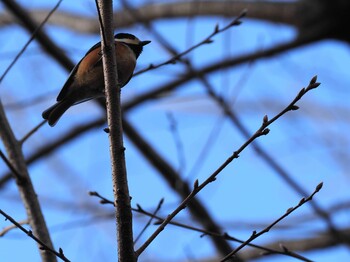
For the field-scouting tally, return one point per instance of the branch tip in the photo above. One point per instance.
(313, 86)
(139, 207)
(319, 187)
(195, 185)
(265, 119)
(313, 80)
(216, 29)
(243, 13)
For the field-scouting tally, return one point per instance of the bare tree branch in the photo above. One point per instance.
(263, 130)
(31, 26)
(255, 234)
(275, 12)
(61, 141)
(257, 254)
(25, 186)
(42, 245)
(114, 117)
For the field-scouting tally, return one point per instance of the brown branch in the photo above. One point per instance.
(30, 24)
(114, 117)
(320, 241)
(235, 120)
(273, 12)
(174, 180)
(180, 186)
(324, 19)
(152, 216)
(268, 251)
(263, 130)
(42, 245)
(51, 147)
(13, 170)
(7, 229)
(272, 163)
(208, 40)
(25, 186)
(157, 92)
(255, 234)
(17, 10)
(32, 131)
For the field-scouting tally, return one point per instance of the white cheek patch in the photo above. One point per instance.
(128, 41)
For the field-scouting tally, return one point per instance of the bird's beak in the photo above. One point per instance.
(143, 43)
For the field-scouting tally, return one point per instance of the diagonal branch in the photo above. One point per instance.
(278, 12)
(29, 233)
(51, 147)
(269, 251)
(263, 130)
(157, 92)
(255, 234)
(25, 186)
(31, 26)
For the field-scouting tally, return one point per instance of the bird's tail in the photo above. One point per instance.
(54, 113)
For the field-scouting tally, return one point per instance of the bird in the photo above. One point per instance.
(86, 80)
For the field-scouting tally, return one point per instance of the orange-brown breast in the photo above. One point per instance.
(126, 62)
(90, 69)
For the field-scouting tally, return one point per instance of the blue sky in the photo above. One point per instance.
(310, 143)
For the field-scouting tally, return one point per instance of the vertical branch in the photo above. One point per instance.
(25, 187)
(120, 185)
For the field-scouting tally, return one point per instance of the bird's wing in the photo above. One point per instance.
(95, 58)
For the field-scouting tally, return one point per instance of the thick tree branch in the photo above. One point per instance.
(114, 118)
(322, 18)
(25, 187)
(271, 11)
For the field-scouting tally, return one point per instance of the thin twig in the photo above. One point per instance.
(10, 227)
(267, 229)
(50, 147)
(181, 187)
(204, 232)
(9, 164)
(29, 233)
(212, 68)
(150, 220)
(30, 40)
(103, 199)
(207, 40)
(178, 142)
(263, 130)
(31, 132)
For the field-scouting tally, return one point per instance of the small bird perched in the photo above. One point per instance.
(86, 80)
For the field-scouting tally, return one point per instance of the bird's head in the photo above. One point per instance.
(132, 41)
